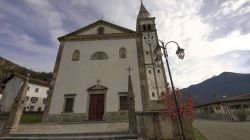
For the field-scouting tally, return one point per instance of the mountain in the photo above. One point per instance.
(226, 84)
(7, 68)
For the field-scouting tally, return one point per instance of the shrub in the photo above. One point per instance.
(241, 114)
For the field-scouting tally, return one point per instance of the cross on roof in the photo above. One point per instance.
(129, 69)
(98, 81)
(141, 1)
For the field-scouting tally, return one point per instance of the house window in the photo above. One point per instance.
(76, 55)
(100, 31)
(44, 100)
(31, 108)
(68, 103)
(99, 56)
(147, 52)
(27, 98)
(217, 107)
(34, 99)
(123, 53)
(244, 106)
(37, 89)
(28, 88)
(123, 102)
(211, 109)
(237, 106)
(39, 109)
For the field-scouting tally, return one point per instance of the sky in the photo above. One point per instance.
(214, 33)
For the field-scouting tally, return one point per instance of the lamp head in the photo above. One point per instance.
(180, 53)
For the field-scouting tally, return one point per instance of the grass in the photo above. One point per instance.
(198, 135)
(31, 118)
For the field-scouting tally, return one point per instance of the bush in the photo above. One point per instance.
(241, 114)
(28, 118)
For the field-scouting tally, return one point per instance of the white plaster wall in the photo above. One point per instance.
(75, 77)
(10, 92)
(107, 30)
(41, 94)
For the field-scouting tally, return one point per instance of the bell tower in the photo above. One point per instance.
(154, 73)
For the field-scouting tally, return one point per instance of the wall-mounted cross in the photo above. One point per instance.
(129, 69)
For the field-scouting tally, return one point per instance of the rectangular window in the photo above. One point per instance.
(44, 100)
(68, 105)
(244, 106)
(37, 89)
(34, 99)
(123, 102)
(39, 109)
(211, 109)
(31, 108)
(28, 88)
(237, 106)
(217, 107)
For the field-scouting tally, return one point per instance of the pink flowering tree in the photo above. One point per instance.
(186, 107)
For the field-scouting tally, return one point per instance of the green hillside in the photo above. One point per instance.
(7, 68)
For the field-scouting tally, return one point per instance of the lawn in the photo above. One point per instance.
(198, 135)
(31, 118)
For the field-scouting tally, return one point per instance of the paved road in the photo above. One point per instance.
(223, 130)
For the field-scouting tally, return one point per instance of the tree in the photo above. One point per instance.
(186, 107)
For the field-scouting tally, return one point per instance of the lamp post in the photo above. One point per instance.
(180, 53)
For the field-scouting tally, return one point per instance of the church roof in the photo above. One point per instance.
(99, 22)
(143, 12)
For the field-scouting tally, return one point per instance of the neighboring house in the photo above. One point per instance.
(2, 86)
(36, 93)
(225, 109)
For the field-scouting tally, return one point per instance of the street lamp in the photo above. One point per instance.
(180, 53)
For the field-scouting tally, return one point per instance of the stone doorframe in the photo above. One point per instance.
(97, 89)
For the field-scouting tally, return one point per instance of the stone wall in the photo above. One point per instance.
(81, 117)
(152, 125)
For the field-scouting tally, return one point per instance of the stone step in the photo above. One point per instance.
(83, 136)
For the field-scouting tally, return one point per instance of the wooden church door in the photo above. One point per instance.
(96, 107)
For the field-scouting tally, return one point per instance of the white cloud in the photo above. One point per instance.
(180, 21)
(177, 20)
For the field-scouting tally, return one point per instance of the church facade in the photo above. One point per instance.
(90, 78)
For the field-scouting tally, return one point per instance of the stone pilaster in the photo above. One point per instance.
(17, 108)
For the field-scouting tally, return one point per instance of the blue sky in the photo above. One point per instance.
(215, 33)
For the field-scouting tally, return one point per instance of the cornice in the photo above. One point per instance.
(99, 37)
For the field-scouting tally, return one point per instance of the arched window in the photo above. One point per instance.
(159, 71)
(149, 71)
(76, 55)
(100, 31)
(144, 27)
(99, 56)
(149, 26)
(123, 53)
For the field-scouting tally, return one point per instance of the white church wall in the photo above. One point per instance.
(75, 77)
(10, 91)
(93, 31)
